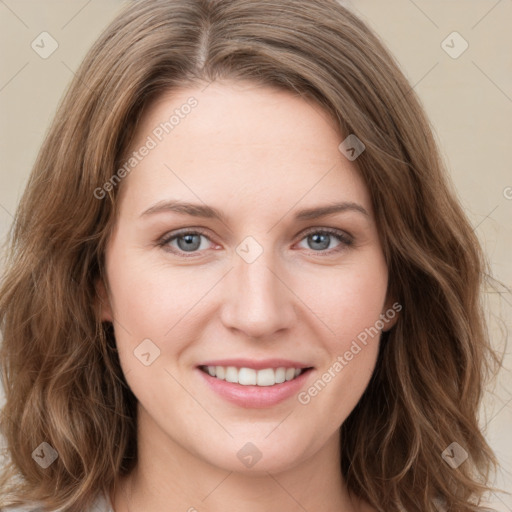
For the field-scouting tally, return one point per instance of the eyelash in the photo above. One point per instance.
(344, 238)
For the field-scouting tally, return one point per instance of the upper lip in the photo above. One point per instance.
(256, 364)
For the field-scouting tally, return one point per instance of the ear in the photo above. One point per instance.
(104, 301)
(390, 313)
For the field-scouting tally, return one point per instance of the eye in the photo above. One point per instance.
(186, 241)
(189, 241)
(320, 239)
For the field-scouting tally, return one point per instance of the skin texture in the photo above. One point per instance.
(258, 155)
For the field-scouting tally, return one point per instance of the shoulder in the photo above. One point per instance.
(102, 504)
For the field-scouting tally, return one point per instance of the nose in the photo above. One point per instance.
(258, 300)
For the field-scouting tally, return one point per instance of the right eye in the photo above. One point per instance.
(186, 242)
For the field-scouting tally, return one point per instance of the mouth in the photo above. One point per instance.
(265, 377)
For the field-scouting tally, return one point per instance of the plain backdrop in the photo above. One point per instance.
(457, 56)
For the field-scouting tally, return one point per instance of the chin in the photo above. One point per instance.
(258, 456)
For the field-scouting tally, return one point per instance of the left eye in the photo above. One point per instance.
(320, 240)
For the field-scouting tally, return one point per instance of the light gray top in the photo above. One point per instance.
(102, 504)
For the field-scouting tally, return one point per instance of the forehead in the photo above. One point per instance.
(240, 144)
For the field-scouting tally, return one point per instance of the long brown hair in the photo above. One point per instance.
(61, 374)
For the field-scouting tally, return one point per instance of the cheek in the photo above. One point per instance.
(350, 301)
(149, 298)
(154, 302)
(351, 307)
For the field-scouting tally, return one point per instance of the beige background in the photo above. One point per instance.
(468, 99)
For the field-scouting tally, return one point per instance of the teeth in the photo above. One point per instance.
(251, 377)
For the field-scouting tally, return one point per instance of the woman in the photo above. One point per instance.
(255, 370)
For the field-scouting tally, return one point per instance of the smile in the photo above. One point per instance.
(251, 377)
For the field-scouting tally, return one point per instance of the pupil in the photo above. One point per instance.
(325, 243)
(189, 242)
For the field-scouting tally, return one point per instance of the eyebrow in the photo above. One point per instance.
(205, 211)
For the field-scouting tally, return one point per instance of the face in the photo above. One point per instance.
(217, 303)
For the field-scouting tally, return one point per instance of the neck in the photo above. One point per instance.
(169, 477)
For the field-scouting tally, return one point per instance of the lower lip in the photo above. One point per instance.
(256, 397)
